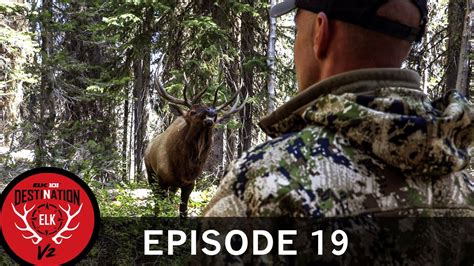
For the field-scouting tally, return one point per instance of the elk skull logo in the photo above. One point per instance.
(35, 238)
(49, 217)
(58, 238)
(59, 235)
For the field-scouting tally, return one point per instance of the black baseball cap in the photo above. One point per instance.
(359, 12)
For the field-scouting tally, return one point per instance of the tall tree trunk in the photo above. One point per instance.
(247, 47)
(141, 115)
(456, 15)
(126, 113)
(130, 162)
(141, 90)
(230, 148)
(47, 108)
(215, 159)
(271, 62)
(231, 136)
(462, 83)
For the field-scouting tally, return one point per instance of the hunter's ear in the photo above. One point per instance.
(176, 110)
(321, 35)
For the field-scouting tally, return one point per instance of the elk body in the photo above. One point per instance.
(175, 158)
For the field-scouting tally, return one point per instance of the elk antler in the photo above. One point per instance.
(185, 90)
(167, 96)
(58, 238)
(236, 94)
(236, 108)
(35, 238)
(216, 94)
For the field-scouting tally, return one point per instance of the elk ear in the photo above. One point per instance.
(176, 110)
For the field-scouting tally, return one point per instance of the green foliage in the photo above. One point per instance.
(118, 200)
(123, 20)
(17, 47)
(11, 8)
(137, 199)
(5, 259)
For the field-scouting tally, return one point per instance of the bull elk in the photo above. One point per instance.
(175, 158)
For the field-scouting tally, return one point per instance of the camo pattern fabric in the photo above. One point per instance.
(388, 151)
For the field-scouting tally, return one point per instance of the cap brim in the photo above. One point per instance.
(282, 8)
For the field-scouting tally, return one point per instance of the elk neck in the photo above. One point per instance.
(197, 139)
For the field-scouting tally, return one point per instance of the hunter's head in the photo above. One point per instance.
(336, 36)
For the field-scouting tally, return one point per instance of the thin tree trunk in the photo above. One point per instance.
(141, 91)
(247, 47)
(271, 62)
(139, 94)
(131, 165)
(231, 135)
(462, 83)
(126, 112)
(47, 108)
(216, 156)
(456, 15)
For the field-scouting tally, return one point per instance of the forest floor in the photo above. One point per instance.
(142, 199)
(125, 200)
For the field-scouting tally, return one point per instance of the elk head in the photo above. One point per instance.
(201, 114)
(197, 114)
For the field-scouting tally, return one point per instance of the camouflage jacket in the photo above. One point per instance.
(376, 144)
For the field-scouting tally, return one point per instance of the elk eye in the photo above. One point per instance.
(192, 112)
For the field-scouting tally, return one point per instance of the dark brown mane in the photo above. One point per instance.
(195, 146)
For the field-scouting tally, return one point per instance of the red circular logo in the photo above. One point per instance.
(48, 216)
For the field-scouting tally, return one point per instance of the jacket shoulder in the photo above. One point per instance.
(315, 173)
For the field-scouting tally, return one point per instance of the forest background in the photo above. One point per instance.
(76, 82)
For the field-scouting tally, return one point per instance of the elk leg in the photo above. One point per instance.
(183, 206)
(150, 174)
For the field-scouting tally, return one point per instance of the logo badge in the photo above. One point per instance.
(48, 216)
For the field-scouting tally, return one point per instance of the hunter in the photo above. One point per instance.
(360, 137)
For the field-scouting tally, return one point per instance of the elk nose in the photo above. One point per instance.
(211, 112)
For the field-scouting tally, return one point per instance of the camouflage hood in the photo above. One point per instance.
(390, 118)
